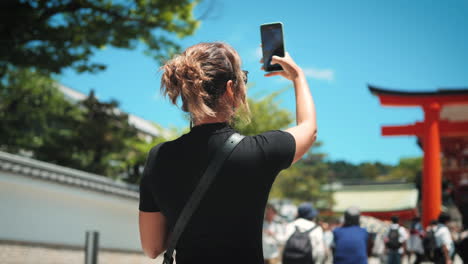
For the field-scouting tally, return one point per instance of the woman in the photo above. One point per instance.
(227, 225)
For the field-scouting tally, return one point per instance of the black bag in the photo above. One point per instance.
(431, 251)
(298, 248)
(393, 242)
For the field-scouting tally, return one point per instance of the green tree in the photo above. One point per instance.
(54, 34)
(368, 171)
(343, 171)
(346, 172)
(101, 136)
(407, 169)
(30, 108)
(94, 136)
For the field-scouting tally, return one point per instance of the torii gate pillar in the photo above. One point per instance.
(432, 173)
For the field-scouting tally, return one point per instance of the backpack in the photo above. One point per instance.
(393, 239)
(298, 248)
(430, 244)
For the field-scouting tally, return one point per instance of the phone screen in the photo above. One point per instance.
(272, 44)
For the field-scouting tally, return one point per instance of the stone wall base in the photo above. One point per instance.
(12, 252)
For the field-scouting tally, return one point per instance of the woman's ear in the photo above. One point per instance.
(230, 93)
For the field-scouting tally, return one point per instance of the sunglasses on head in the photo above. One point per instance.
(246, 74)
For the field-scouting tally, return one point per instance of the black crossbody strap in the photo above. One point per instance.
(215, 165)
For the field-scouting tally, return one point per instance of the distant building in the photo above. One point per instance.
(379, 200)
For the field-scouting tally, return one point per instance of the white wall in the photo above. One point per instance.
(37, 210)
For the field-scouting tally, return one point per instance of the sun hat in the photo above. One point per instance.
(307, 211)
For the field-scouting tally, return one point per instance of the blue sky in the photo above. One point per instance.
(341, 45)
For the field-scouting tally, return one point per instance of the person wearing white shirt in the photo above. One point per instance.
(273, 236)
(415, 243)
(306, 221)
(444, 240)
(327, 240)
(395, 249)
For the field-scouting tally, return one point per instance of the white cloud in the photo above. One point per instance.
(320, 74)
(252, 55)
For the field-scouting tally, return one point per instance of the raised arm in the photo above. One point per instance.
(305, 132)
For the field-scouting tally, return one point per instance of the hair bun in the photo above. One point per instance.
(199, 76)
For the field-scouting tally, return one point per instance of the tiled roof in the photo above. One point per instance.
(67, 176)
(444, 91)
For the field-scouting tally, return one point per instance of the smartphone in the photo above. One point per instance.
(272, 44)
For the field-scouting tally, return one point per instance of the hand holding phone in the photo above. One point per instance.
(272, 44)
(291, 70)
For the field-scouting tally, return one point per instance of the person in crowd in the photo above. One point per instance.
(462, 246)
(350, 242)
(444, 241)
(395, 241)
(378, 250)
(273, 236)
(208, 81)
(306, 223)
(328, 240)
(414, 245)
(461, 200)
(429, 241)
(460, 197)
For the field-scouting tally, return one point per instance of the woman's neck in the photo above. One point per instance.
(210, 120)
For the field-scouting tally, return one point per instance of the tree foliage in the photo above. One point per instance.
(36, 118)
(54, 34)
(30, 109)
(101, 135)
(407, 169)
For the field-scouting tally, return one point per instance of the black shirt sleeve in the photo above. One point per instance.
(147, 200)
(279, 148)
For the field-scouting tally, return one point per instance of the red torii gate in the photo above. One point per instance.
(429, 131)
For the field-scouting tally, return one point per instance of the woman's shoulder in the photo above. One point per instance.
(277, 147)
(272, 136)
(274, 132)
(163, 148)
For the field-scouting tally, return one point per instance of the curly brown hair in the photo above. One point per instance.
(199, 76)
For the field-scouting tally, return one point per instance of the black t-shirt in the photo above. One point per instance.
(227, 225)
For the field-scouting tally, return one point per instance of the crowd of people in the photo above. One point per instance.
(305, 240)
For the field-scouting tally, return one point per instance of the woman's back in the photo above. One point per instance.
(228, 221)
